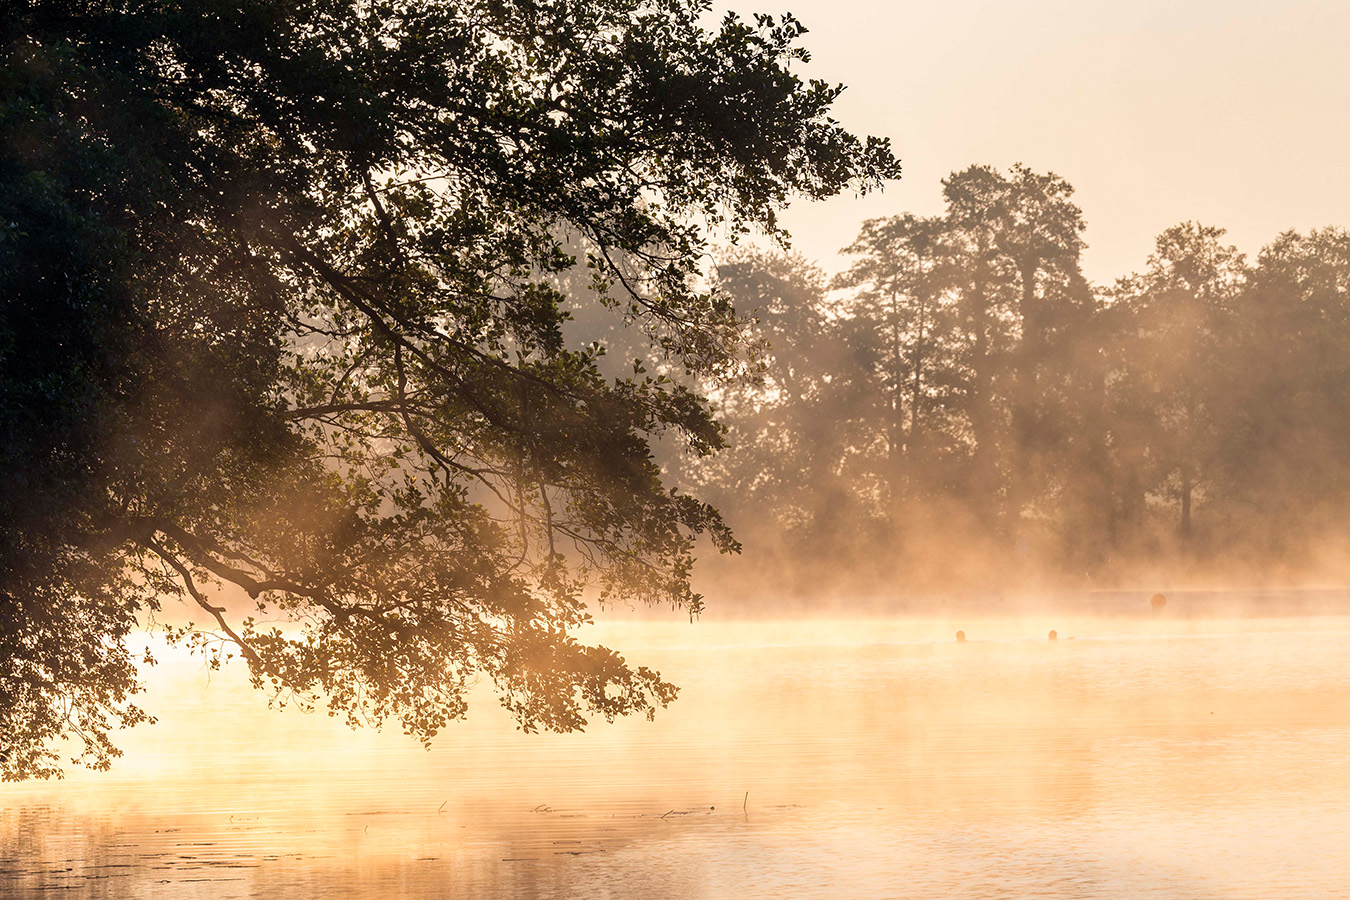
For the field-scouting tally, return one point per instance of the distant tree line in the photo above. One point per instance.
(962, 403)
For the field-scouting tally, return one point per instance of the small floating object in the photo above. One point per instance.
(1054, 635)
(1157, 601)
(960, 637)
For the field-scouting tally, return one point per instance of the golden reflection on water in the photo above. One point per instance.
(1165, 755)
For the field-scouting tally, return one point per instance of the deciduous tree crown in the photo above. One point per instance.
(280, 313)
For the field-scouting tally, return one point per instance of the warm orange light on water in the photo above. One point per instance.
(1120, 757)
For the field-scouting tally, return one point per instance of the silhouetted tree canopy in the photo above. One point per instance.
(281, 319)
(786, 427)
(961, 409)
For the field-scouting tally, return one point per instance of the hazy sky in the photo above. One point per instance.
(1232, 112)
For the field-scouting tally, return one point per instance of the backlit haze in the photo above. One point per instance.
(1228, 113)
(930, 711)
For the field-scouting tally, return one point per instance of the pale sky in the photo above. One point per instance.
(1235, 113)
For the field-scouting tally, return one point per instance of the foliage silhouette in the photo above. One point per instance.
(281, 321)
(976, 414)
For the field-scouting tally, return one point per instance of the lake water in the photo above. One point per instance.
(1200, 751)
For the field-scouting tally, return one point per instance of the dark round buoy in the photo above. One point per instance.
(1157, 601)
(960, 637)
(1054, 635)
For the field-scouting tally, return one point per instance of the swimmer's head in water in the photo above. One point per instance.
(960, 636)
(1054, 635)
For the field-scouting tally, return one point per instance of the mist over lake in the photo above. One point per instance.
(1188, 753)
(545, 449)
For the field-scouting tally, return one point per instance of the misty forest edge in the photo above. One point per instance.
(394, 321)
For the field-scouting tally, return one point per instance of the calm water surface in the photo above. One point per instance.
(1181, 754)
